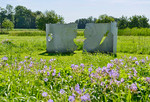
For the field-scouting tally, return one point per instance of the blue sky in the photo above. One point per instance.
(74, 9)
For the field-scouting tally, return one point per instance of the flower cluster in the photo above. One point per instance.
(82, 82)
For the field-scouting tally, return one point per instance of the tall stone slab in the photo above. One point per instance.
(59, 38)
(96, 41)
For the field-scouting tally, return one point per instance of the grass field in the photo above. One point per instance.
(28, 73)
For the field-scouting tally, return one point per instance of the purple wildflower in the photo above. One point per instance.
(76, 66)
(48, 73)
(45, 66)
(136, 62)
(24, 61)
(21, 62)
(116, 60)
(85, 97)
(117, 82)
(77, 89)
(51, 60)
(71, 98)
(82, 65)
(102, 83)
(83, 89)
(113, 73)
(111, 82)
(143, 61)
(5, 58)
(126, 66)
(44, 94)
(30, 65)
(147, 58)
(59, 74)
(134, 58)
(122, 80)
(7, 64)
(133, 87)
(91, 75)
(120, 60)
(135, 72)
(26, 56)
(19, 67)
(72, 66)
(54, 72)
(148, 79)
(98, 69)
(62, 91)
(90, 69)
(45, 79)
(109, 65)
(41, 60)
(50, 67)
(73, 95)
(50, 100)
(72, 88)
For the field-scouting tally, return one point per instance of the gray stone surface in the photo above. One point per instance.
(95, 40)
(59, 37)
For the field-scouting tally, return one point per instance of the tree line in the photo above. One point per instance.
(22, 17)
(139, 21)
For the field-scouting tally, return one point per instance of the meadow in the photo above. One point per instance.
(28, 73)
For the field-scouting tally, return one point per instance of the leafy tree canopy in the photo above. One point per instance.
(8, 24)
(48, 17)
(105, 19)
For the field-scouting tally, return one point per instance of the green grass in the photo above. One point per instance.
(21, 81)
(80, 32)
(134, 32)
(30, 44)
(27, 33)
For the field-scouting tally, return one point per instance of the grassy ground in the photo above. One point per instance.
(27, 79)
(35, 46)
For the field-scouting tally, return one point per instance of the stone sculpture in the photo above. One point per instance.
(59, 37)
(95, 39)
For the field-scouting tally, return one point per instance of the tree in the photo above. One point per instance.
(134, 22)
(123, 22)
(10, 12)
(143, 22)
(105, 19)
(138, 21)
(8, 24)
(83, 21)
(24, 18)
(48, 17)
(2, 14)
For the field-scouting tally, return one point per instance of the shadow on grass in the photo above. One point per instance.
(57, 54)
(104, 53)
